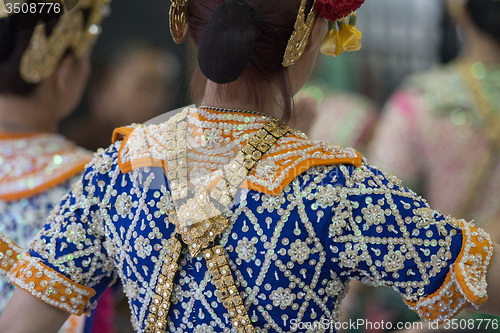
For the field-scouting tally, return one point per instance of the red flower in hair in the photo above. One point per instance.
(333, 10)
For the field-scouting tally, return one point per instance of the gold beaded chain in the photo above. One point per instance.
(199, 236)
(228, 110)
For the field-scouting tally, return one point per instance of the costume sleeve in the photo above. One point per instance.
(386, 235)
(67, 265)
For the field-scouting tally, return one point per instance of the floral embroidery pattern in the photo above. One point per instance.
(326, 196)
(75, 233)
(426, 217)
(131, 289)
(266, 170)
(212, 138)
(393, 261)
(246, 249)
(142, 247)
(271, 202)
(373, 215)
(349, 258)
(334, 288)
(282, 297)
(123, 204)
(299, 251)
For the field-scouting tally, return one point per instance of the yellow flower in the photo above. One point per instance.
(347, 38)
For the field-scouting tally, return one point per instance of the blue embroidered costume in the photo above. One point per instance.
(308, 218)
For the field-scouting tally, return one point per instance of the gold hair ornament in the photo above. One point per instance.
(302, 29)
(3, 10)
(178, 18)
(341, 14)
(44, 53)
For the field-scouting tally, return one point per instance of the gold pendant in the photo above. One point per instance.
(198, 222)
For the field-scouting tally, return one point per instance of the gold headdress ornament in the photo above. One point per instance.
(71, 31)
(178, 17)
(302, 29)
(342, 35)
(3, 10)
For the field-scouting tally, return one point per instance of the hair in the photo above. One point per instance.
(15, 35)
(274, 26)
(486, 16)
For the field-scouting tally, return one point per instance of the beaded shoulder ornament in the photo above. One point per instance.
(72, 31)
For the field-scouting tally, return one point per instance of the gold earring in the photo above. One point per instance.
(298, 41)
(178, 17)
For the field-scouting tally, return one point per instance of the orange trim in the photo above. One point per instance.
(479, 296)
(123, 133)
(74, 324)
(45, 186)
(16, 135)
(300, 169)
(10, 253)
(297, 170)
(430, 311)
(457, 290)
(51, 286)
(142, 163)
(43, 171)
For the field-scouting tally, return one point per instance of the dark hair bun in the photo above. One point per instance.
(227, 43)
(6, 38)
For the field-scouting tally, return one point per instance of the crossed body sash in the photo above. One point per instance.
(199, 221)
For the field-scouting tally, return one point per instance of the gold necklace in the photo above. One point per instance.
(228, 110)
